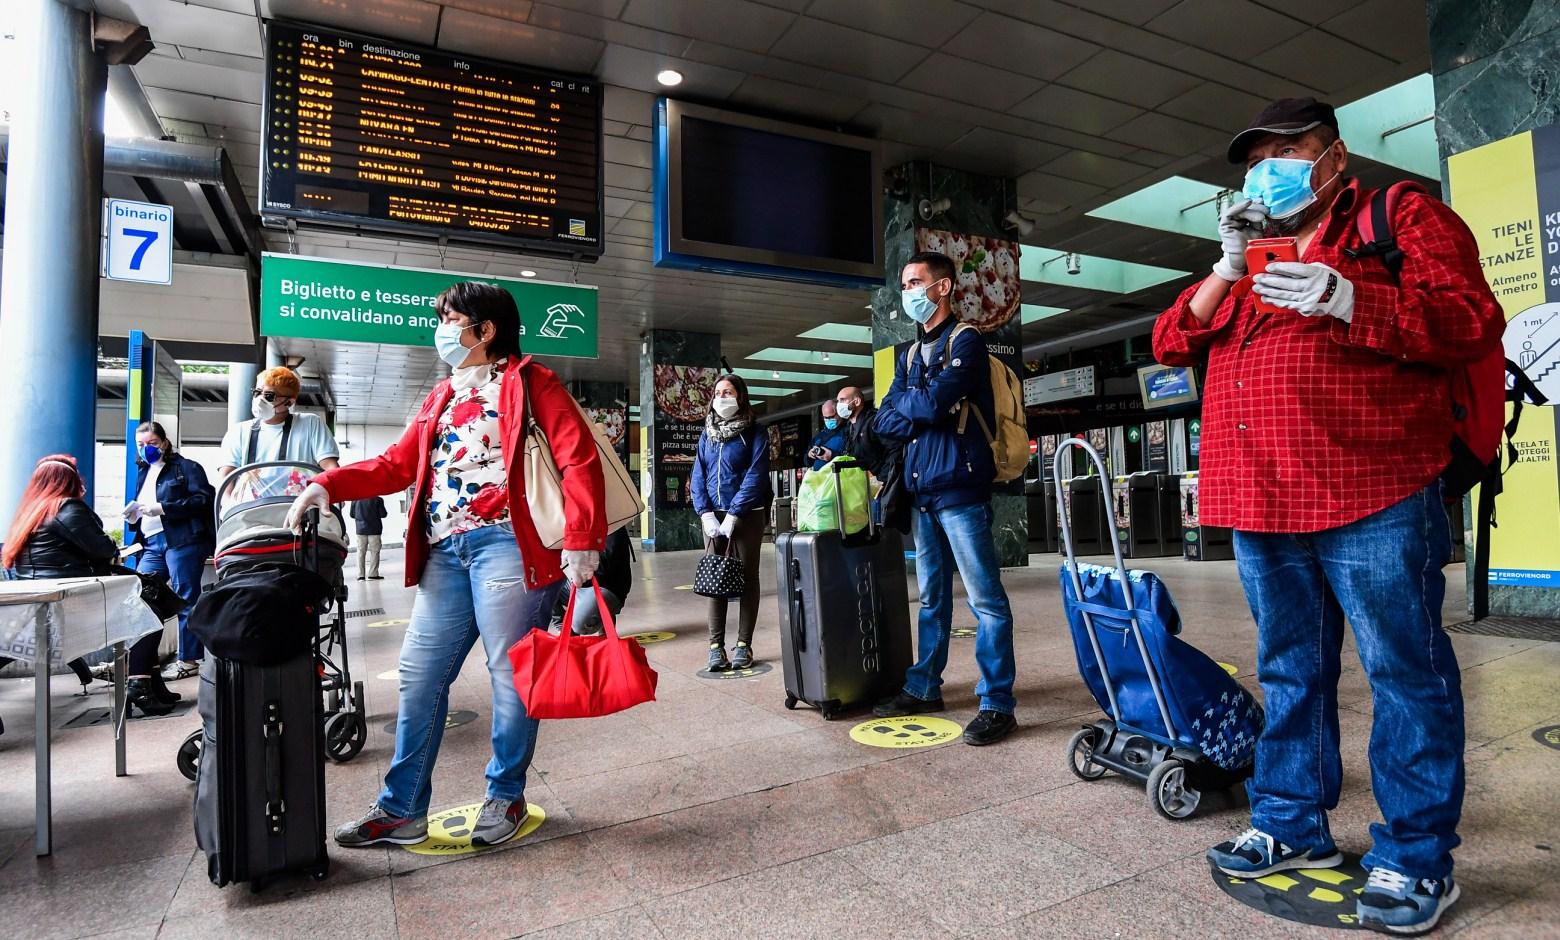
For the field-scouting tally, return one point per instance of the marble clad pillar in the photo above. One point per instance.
(677, 377)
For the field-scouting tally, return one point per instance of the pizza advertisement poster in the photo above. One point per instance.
(683, 393)
(614, 420)
(986, 291)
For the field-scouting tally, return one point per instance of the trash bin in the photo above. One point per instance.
(1082, 495)
(1041, 498)
(781, 520)
(1150, 527)
(1201, 542)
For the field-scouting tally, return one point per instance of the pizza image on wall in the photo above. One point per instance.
(986, 291)
(683, 393)
(614, 420)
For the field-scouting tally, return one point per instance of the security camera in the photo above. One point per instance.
(1073, 264)
(933, 207)
(1015, 220)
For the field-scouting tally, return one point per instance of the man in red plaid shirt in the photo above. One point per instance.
(1326, 426)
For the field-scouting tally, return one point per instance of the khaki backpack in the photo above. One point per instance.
(1009, 439)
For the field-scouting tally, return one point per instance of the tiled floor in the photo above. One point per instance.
(716, 812)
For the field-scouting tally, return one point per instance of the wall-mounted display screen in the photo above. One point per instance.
(1164, 386)
(378, 135)
(738, 194)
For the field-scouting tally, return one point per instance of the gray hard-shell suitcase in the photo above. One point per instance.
(844, 615)
(260, 789)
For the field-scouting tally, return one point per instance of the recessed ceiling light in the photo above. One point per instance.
(775, 374)
(528, 273)
(669, 77)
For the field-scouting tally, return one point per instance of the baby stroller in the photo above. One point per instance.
(1174, 719)
(251, 510)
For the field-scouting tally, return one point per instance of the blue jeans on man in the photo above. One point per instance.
(961, 536)
(473, 586)
(1383, 574)
(183, 566)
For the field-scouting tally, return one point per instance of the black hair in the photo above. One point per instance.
(940, 265)
(744, 403)
(485, 303)
(156, 428)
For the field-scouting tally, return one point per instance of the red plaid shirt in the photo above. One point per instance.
(1310, 423)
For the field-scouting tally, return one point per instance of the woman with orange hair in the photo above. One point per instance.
(55, 534)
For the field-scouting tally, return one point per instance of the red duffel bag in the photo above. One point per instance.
(568, 676)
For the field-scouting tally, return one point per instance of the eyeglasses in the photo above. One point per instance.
(268, 395)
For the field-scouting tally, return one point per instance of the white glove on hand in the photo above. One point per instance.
(313, 496)
(578, 567)
(711, 527)
(728, 524)
(1310, 289)
(133, 512)
(1235, 230)
(152, 509)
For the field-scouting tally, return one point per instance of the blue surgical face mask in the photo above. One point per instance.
(1283, 184)
(831, 423)
(918, 306)
(446, 339)
(151, 453)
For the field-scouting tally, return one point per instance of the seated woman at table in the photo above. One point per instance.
(55, 534)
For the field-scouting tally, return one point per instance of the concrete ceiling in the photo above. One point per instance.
(1080, 102)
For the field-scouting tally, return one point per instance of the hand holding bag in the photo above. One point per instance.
(569, 676)
(721, 576)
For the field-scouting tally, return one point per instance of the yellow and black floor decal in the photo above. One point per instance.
(392, 622)
(906, 732)
(645, 639)
(757, 669)
(1320, 897)
(452, 719)
(449, 832)
(1230, 668)
(1549, 737)
(961, 633)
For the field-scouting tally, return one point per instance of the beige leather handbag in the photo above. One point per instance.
(544, 483)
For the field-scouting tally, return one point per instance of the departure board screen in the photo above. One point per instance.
(379, 135)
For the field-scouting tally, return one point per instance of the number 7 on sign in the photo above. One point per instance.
(146, 237)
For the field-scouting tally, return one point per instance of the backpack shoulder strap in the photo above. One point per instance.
(1374, 223)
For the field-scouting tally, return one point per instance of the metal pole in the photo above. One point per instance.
(43, 792)
(241, 379)
(53, 210)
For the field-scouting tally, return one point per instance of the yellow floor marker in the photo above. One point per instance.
(645, 639)
(1229, 668)
(393, 622)
(909, 731)
(449, 832)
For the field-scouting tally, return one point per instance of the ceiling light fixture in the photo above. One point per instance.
(1016, 220)
(775, 374)
(669, 77)
(528, 273)
(1073, 259)
(825, 357)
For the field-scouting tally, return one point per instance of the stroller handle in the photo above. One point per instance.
(1108, 520)
(228, 482)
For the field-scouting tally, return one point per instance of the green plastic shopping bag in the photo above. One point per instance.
(815, 502)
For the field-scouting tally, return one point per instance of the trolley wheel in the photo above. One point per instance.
(357, 698)
(1080, 755)
(344, 735)
(1168, 792)
(189, 754)
(790, 702)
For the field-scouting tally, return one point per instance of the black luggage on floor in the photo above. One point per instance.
(260, 789)
(844, 616)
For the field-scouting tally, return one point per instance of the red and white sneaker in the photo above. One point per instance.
(381, 828)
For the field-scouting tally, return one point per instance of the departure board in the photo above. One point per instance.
(378, 135)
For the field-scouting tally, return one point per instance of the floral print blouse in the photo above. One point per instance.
(469, 480)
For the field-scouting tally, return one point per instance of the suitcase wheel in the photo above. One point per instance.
(828, 712)
(345, 733)
(189, 754)
(790, 702)
(319, 874)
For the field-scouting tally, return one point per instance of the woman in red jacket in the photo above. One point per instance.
(472, 551)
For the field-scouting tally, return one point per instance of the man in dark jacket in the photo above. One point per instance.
(369, 514)
(883, 458)
(949, 474)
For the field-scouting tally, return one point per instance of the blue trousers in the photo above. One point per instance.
(183, 566)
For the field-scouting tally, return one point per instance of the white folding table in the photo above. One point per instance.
(52, 621)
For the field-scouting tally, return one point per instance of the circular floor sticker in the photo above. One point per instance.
(757, 669)
(390, 675)
(1320, 897)
(645, 639)
(1230, 668)
(683, 587)
(396, 622)
(961, 633)
(1549, 737)
(449, 832)
(909, 731)
(453, 719)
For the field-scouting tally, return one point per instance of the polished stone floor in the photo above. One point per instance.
(715, 811)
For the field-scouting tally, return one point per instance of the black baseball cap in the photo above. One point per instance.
(1284, 116)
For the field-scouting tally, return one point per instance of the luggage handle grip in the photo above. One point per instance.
(275, 806)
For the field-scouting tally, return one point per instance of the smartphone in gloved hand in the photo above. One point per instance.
(1260, 252)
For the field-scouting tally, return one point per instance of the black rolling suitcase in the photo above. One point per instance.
(260, 790)
(844, 615)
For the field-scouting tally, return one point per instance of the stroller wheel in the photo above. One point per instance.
(344, 735)
(1080, 755)
(189, 754)
(357, 698)
(1169, 793)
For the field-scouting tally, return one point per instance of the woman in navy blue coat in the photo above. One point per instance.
(731, 495)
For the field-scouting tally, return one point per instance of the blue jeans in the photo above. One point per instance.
(1382, 573)
(962, 536)
(183, 566)
(473, 585)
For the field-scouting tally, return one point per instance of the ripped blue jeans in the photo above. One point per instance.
(473, 585)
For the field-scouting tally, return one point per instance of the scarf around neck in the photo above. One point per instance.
(724, 429)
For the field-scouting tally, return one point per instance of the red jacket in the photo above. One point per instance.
(574, 447)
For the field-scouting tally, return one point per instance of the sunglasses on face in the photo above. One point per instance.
(268, 395)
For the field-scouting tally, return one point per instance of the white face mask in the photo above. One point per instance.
(726, 407)
(844, 410)
(264, 410)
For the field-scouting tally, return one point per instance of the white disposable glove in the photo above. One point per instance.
(578, 567)
(1312, 290)
(132, 512)
(151, 509)
(1236, 226)
(728, 524)
(711, 527)
(313, 496)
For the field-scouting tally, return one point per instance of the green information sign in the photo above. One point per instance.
(317, 298)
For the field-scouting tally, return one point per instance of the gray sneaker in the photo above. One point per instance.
(499, 821)
(381, 828)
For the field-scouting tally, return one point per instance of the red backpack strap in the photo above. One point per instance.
(1374, 222)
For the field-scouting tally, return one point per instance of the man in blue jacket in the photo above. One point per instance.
(949, 474)
(831, 438)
